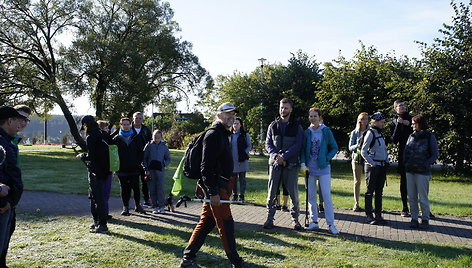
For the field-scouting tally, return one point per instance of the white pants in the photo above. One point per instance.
(325, 186)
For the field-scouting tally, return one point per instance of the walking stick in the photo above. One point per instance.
(307, 221)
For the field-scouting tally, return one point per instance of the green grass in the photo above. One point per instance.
(59, 171)
(41, 241)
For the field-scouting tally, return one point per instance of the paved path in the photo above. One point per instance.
(443, 229)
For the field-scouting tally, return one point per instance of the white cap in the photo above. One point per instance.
(227, 107)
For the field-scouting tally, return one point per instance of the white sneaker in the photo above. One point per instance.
(333, 230)
(312, 226)
(162, 210)
(155, 211)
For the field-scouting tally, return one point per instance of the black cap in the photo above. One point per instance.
(9, 112)
(86, 119)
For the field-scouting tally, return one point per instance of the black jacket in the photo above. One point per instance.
(10, 173)
(97, 147)
(399, 135)
(217, 160)
(131, 154)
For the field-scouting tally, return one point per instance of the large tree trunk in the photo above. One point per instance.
(72, 124)
(100, 98)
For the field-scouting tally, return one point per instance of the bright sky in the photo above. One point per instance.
(233, 35)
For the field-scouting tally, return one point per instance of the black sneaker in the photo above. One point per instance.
(268, 224)
(94, 225)
(285, 208)
(414, 224)
(370, 218)
(125, 211)
(140, 209)
(424, 224)
(297, 226)
(188, 263)
(378, 220)
(101, 229)
(235, 197)
(241, 197)
(320, 208)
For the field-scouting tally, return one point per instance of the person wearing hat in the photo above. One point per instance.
(283, 143)
(98, 170)
(11, 182)
(374, 152)
(216, 170)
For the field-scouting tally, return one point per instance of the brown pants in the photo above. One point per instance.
(222, 218)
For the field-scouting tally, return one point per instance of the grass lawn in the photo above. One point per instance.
(59, 171)
(64, 241)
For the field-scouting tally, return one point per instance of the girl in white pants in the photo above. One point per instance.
(318, 148)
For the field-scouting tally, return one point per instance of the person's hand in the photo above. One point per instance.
(5, 208)
(280, 160)
(215, 201)
(303, 169)
(148, 173)
(5, 190)
(405, 122)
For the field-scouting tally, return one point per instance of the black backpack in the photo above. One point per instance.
(193, 157)
(373, 140)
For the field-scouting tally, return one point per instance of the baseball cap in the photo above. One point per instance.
(86, 119)
(9, 112)
(227, 107)
(377, 116)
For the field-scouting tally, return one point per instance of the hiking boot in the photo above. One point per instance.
(378, 220)
(312, 226)
(125, 211)
(424, 224)
(320, 208)
(285, 209)
(269, 224)
(101, 229)
(188, 263)
(333, 230)
(94, 225)
(414, 224)
(139, 209)
(370, 218)
(297, 226)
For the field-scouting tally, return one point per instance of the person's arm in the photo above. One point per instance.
(295, 148)
(211, 145)
(248, 142)
(270, 147)
(365, 148)
(353, 141)
(147, 156)
(433, 149)
(166, 156)
(332, 145)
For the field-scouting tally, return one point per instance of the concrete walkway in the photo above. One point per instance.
(443, 229)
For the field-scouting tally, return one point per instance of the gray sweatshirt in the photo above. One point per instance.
(377, 155)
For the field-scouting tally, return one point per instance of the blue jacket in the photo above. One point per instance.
(328, 148)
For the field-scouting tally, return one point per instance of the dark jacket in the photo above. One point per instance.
(145, 133)
(242, 146)
(217, 160)
(97, 147)
(421, 151)
(288, 143)
(131, 154)
(399, 134)
(10, 173)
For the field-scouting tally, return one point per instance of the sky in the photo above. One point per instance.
(230, 36)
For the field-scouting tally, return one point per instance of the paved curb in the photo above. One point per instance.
(443, 229)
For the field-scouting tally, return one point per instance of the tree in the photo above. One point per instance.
(446, 94)
(31, 67)
(125, 56)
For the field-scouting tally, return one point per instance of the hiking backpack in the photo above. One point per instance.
(193, 157)
(373, 139)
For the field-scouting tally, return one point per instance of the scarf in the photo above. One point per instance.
(126, 134)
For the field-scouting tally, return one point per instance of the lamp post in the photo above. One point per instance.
(262, 84)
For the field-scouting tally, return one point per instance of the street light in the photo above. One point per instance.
(262, 83)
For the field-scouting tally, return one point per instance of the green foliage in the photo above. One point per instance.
(446, 94)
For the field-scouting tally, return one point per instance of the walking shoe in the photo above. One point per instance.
(285, 208)
(188, 263)
(370, 218)
(278, 207)
(414, 224)
(235, 197)
(356, 208)
(269, 224)
(320, 208)
(378, 220)
(139, 209)
(241, 197)
(431, 216)
(404, 214)
(155, 211)
(333, 230)
(125, 211)
(297, 226)
(312, 226)
(101, 229)
(424, 224)
(162, 211)
(94, 225)
(147, 204)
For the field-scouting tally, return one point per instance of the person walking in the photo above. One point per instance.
(216, 169)
(400, 130)
(374, 152)
(156, 158)
(11, 183)
(240, 147)
(130, 151)
(98, 170)
(318, 148)
(144, 133)
(283, 143)
(357, 162)
(421, 151)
